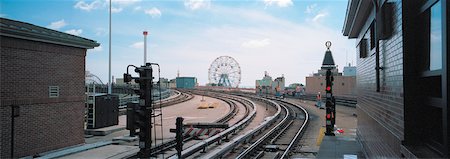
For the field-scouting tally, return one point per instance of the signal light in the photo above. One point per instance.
(328, 88)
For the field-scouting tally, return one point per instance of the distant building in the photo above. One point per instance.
(267, 86)
(349, 70)
(278, 85)
(164, 83)
(173, 83)
(186, 82)
(119, 81)
(342, 85)
(43, 76)
(402, 77)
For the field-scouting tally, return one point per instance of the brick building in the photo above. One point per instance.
(42, 74)
(342, 85)
(402, 76)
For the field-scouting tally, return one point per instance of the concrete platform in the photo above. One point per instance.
(72, 150)
(104, 131)
(108, 151)
(126, 138)
(340, 147)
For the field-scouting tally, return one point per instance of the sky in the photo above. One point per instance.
(282, 37)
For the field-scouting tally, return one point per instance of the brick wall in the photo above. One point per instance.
(380, 114)
(28, 68)
(342, 85)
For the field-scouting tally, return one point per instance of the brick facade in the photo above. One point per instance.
(380, 114)
(342, 85)
(28, 68)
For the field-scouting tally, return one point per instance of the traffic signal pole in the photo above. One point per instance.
(329, 105)
(142, 115)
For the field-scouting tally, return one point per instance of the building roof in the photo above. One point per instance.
(355, 17)
(328, 59)
(27, 31)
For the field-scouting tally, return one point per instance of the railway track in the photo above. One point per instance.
(283, 138)
(282, 134)
(232, 102)
(178, 98)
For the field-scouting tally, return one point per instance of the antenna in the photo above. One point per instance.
(346, 56)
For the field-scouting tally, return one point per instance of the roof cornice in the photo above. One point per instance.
(22, 30)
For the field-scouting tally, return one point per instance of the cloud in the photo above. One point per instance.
(256, 43)
(310, 8)
(154, 12)
(138, 45)
(319, 16)
(116, 10)
(101, 31)
(57, 24)
(2, 15)
(97, 49)
(279, 3)
(197, 4)
(137, 8)
(124, 2)
(74, 31)
(88, 6)
(97, 4)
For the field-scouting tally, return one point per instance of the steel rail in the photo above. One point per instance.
(172, 143)
(216, 138)
(218, 153)
(299, 132)
(265, 136)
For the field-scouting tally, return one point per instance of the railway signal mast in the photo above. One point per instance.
(330, 104)
(142, 114)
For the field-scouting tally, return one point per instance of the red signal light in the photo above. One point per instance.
(328, 88)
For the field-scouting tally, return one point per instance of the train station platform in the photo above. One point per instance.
(340, 147)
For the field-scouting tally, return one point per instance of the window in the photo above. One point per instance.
(436, 37)
(363, 48)
(342, 83)
(372, 36)
(53, 91)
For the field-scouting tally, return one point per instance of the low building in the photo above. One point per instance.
(349, 70)
(186, 82)
(342, 85)
(43, 82)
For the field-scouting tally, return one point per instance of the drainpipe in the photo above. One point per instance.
(377, 47)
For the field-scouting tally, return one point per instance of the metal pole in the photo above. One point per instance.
(109, 74)
(145, 47)
(12, 131)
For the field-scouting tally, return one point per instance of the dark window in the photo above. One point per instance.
(363, 48)
(372, 36)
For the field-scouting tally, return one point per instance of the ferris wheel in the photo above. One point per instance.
(225, 71)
